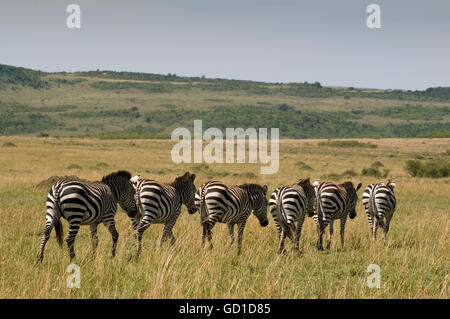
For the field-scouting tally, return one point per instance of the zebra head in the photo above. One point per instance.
(391, 185)
(185, 186)
(352, 197)
(258, 199)
(123, 190)
(310, 195)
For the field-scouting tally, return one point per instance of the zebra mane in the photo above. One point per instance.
(118, 174)
(304, 182)
(182, 179)
(347, 184)
(249, 185)
(254, 187)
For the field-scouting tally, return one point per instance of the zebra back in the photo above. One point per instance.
(335, 201)
(299, 197)
(165, 199)
(378, 199)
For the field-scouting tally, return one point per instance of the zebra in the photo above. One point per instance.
(161, 203)
(379, 203)
(87, 203)
(333, 202)
(232, 205)
(289, 204)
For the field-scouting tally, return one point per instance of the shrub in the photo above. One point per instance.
(349, 172)
(371, 171)
(347, 144)
(432, 169)
(377, 164)
(9, 144)
(74, 166)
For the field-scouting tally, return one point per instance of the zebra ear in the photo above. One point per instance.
(316, 183)
(391, 184)
(193, 178)
(134, 179)
(359, 186)
(265, 189)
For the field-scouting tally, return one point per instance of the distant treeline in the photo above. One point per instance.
(37, 79)
(293, 123)
(298, 89)
(21, 76)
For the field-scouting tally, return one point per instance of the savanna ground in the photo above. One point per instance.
(414, 264)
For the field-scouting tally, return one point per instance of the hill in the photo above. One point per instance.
(111, 104)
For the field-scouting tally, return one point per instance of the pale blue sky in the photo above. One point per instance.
(263, 40)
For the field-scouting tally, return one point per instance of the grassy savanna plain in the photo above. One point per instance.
(414, 264)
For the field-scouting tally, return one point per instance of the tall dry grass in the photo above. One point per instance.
(414, 264)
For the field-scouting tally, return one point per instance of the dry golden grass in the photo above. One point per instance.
(414, 264)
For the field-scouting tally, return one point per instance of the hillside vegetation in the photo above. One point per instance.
(142, 105)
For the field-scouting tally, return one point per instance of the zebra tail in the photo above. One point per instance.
(57, 219)
(203, 209)
(374, 208)
(283, 217)
(319, 208)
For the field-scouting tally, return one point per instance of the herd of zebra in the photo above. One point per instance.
(146, 201)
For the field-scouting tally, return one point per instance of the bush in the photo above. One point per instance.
(432, 169)
(377, 164)
(74, 166)
(374, 171)
(347, 144)
(371, 171)
(349, 172)
(9, 144)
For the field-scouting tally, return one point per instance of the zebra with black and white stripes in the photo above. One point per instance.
(288, 205)
(161, 204)
(379, 202)
(232, 205)
(87, 203)
(334, 202)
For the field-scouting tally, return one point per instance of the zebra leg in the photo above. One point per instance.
(94, 239)
(207, 234)
(111, 225)
(207, 227)
(298, 232)
(330, 234)
(204, 232)
(231, 233)
(343, 220)
(241, 227)
(134, 224)
(281, 245)
(167, 232)
(142, 227)
(320, 228)
(45, 237)
(74, 227)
